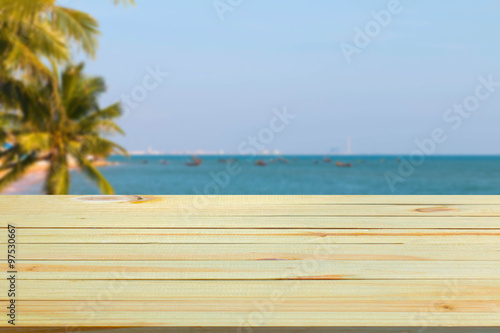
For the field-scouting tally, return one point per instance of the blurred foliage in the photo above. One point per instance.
(44, 115)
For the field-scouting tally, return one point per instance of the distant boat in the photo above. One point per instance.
(196, 162)
(144, 161)
(315, 161)
(261, 163)
(282, 160)
(224, 161)
(327, 160)
(163, 162)
(343, 165)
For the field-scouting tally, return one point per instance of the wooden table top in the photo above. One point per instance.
(388, 263)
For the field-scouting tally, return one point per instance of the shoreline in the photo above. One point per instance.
(36, 174)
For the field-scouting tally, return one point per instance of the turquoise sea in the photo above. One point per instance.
(297, 175)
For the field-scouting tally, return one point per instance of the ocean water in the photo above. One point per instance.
(302, 175)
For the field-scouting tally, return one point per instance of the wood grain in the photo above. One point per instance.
(254, 263)
(265, 251)
(255, 236)
(255, 270)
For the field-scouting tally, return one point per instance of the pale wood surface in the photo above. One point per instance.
(400, 263)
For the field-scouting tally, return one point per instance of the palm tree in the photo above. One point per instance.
(78, 133)
(36, 36)
(34, 33)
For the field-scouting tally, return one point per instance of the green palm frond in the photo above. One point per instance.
(47, 40)
(20, 13)
(111, 112)
(101, 121)
(12, 92)
(93, 174)
(9, 122)
(34, 141)
(102, 127)
(82, 99)
(9, 118)
(101, 147)
(23, 58)
(124, 2)
(78, 26)
(32, 31)
(70, 81)
(27, 99)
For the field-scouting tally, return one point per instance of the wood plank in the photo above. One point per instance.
(155, 208)
(256, 270)
(310, 290)
(161, 206)
(274, 318)
(70, 220)
(255, 236)
(249, 200)
(309, 251)
(214, 305)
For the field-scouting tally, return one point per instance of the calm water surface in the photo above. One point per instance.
(302, 175)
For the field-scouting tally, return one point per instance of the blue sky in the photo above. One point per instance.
(226, 76)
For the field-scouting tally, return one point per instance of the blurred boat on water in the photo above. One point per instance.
(195, 162)
(343, 165)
